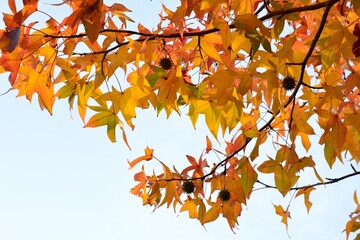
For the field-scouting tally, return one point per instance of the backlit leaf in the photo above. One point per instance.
(190, 206)
(306, 193)
(284, 214)
(147, 157)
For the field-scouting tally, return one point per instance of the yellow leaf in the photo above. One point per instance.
(84, 92)
(170, 194)
(170, 186)
(300, 164)
(190, 206)
(126, 102)
(305, 141)
(168, 92)
(269, 166)
(234, 186)
(208, 43)
(210, 111)
(318, 175)
(224, 31)
(212, 214)
(252, 133)
(300, 121)
(38, 82)
(249, 22)
(248, 177)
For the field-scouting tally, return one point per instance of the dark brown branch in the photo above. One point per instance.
(311, 49)
(311, 87)
(330, 181)
(307, 57)
(298, 9)
(149, 36)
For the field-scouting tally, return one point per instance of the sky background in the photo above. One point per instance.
(61, 181)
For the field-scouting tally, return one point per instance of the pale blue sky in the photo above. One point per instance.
(60, 181)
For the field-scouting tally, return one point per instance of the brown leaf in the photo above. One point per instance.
(356, 45)
(91, 18)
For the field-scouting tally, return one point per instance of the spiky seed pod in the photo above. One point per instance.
(224, 195)
(188, 187)
(165, 63)
(289, 83)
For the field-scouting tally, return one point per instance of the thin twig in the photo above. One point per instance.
(330, 181)
(151, 36)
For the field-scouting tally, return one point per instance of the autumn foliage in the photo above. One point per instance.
(279, 73)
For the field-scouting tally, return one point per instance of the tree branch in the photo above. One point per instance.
(150, 36)
(298, 9)
(330, 181)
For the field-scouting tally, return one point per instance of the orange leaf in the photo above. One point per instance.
(208, 145)
(141, 186)
(224, 31)
(12, 6)
(11, 63)
(119, 7)
(234, 185)
(284, 214)
(356, 199)
(338, 135)
(356, 45)
(38, 82)
(306, 193)
(30, 6)
(147, 157)
(143, 29)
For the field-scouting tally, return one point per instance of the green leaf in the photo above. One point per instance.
(248, 177)
(283, 180)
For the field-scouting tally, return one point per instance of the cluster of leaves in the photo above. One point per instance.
(353, 224)
(267, 72)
